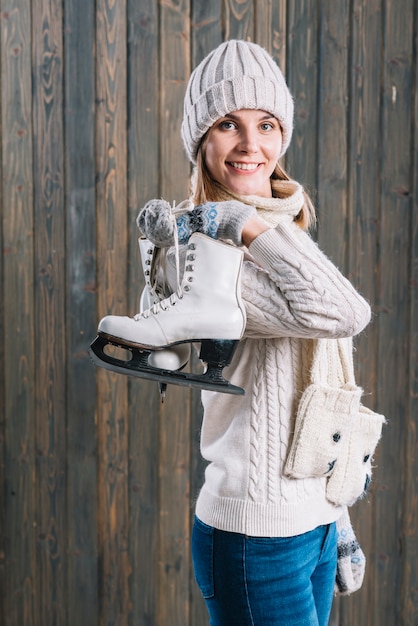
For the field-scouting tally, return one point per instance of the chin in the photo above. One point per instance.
(244, 190)
(248, 189)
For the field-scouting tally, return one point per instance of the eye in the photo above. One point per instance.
(227, 125)
(366, 458)
(267, 127)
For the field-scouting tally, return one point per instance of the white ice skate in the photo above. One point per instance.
(206, 309)
(173, 358)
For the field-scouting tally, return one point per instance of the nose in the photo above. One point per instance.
(248, 141)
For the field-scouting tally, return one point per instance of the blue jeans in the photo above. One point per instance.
(263, 581)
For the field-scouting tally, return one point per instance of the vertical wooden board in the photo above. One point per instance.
(174, 468)
(271, 29)
(113, 513)
(363, 218)
(206, 29)
(302, 75)
(410, 577)
(112, 250)
(144, 400)
(50, 310)
(364, 171)
(175, 71)
(79, 29)
(393, 304)
(18, 556)
(239, 19)
(332, 130)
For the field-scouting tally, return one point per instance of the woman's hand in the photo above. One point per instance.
(252, 229)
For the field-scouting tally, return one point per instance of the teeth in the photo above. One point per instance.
(245, 166)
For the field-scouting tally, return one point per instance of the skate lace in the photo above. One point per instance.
(163, 305)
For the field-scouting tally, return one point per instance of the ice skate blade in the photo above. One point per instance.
(137, 366)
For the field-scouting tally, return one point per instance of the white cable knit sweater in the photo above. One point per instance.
(293, 294)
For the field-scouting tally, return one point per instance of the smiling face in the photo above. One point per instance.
(241, 151)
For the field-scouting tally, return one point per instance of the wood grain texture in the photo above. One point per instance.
(409, 532)
(332, 132)
(112, 251)
(363, 253)
(144, 400)
(50, 311)
(393, 299)
(82, 497)
(207, 28)
(271, 29)
(302, 76)
(18, 558)
(239, 19)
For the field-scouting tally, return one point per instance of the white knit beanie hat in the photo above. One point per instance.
(236, 75)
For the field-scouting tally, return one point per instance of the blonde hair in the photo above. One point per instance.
(206, 189)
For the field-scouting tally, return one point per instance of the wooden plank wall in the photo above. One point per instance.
(98, 478)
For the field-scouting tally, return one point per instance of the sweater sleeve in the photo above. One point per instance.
(293, 290)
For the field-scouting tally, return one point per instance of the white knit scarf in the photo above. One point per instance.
(284, 206)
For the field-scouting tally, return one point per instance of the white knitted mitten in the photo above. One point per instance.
(351, 563)
(322, 426)
(219, 220)
(353, 472)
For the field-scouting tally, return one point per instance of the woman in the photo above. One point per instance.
(264, 541)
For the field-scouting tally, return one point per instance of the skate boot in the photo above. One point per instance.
(176, 357)
(206, 309)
